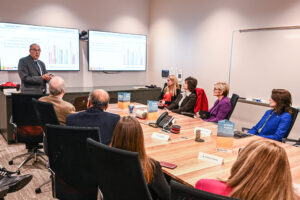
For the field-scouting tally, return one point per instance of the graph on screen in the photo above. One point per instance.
(59, 46)
(117, 51)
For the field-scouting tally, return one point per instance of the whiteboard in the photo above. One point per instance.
(264, 60)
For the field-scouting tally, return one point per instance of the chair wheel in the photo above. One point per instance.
(38, 190)
(18, 172)
(11, 162)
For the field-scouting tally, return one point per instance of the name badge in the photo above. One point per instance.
(160, 136)
(210, 158)
(204, 132)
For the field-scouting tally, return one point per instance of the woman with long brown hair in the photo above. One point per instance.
(261, 171)
(170, 92)
(276, 122)
(128, 135)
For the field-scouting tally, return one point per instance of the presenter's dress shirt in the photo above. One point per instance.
(275, 128)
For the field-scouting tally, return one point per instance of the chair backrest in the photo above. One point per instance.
(27, 129)
(22, 109)
(180, 192)
(45, 112)
(68, 158)
(119, 173)
(202, 102)
(233, 100)
(294, 117)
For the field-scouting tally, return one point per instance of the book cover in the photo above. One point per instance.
(225, 136)
(152, 114)
(123, 100)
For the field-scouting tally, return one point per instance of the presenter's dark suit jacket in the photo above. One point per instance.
(31, 78)
(94, 117)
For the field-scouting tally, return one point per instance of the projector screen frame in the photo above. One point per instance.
(123, 33)
(79, 59)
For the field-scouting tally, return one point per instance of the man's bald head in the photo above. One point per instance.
(56, 86)
(99, 98)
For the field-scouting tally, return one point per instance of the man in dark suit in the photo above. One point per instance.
(95, 116)
(32, 72)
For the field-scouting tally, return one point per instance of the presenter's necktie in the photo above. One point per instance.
(38, 66)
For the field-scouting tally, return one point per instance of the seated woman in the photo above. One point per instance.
(261, 171)
(128, 135)
(170, 92)
(275, 122)
(222, 105)
(186, 101)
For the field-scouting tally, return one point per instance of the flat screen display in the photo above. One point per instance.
(117, 51)
(59, 46)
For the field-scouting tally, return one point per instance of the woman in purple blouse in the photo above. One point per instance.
(222, 105)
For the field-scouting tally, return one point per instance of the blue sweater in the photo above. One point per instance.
(275, 128)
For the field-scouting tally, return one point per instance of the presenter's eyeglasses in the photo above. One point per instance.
(217, 89)
(36, 50)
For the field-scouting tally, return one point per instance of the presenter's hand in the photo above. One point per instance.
(197, 115)
(47, 76)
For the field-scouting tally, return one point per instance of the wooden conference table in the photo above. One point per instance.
(182, 150)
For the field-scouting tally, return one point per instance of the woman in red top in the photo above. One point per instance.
(261, 171)
(170, 92)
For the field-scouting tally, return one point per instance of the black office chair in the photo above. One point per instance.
(294, 117)
(233, 100)
(27, 128)
(181, 192)
(72, 177)
(46, 114)
(118, 172)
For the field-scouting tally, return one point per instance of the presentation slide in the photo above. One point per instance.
(59, 46)
(117, 51)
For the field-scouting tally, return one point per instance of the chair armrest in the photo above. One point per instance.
(100, 195)
(284, 140)
(245, 129)
(15, 128)
(11, 122)
(187, 114)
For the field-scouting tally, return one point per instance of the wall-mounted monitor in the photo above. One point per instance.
(117, 51)
(59, 46)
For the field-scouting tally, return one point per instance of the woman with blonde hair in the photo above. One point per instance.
(261, 171)
(170, 92)
(128, 135)
(222, 105)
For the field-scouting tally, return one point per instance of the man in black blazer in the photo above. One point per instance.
(32, 72)
(95, 116)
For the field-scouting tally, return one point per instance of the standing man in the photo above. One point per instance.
(32, 72)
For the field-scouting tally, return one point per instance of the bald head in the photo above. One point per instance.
(56, 86)
(99, 98)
